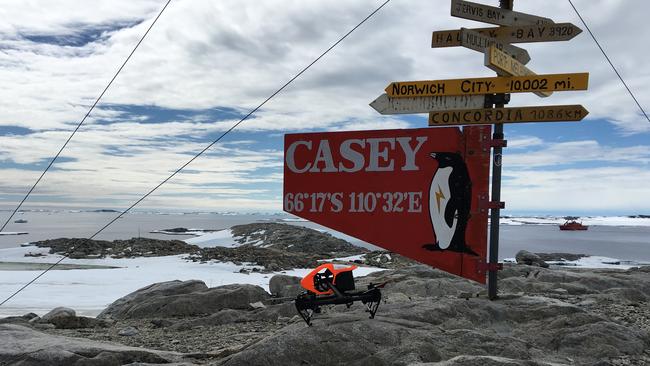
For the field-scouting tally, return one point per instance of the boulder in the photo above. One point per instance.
(531, 259)
(30, 316)
(65, 318)
(21, 345)
(23, 319)
(182, 298)
(560, 257)
(285, 286)
(61, 311)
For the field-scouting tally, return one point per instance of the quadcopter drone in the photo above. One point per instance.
(327, 285)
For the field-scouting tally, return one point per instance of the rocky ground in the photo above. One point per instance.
(77, 248)
(545, 316)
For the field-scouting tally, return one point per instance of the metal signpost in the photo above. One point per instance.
(495, 211)
(434, 183)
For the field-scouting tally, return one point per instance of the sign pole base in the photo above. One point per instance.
(495, 212)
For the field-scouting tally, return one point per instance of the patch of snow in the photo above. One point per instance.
(221, 238)
(195, 232)
(17, 254)
(89, 291)
(351, 258)
(253, 241)
(600, 262)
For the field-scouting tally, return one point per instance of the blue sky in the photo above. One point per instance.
(207, 63)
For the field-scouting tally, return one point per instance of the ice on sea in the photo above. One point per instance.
(587, 220)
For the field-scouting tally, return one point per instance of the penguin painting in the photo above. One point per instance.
(449, 203)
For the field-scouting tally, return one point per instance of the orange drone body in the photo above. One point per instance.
(308, 282)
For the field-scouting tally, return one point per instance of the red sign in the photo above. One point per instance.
(421, 193)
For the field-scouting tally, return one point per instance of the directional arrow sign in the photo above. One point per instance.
(493, 15)
(386, 105)
(479, 42)
(503, 64)
(514, 34)
(556, 113)
(535, 33)
(513, 84)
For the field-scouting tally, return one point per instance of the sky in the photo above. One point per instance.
(207, 63)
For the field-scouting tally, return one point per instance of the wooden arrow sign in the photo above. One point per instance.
(513, 84)
(479, 42)
(505, 65)
(556, 113)
(386, 105)
(514, 34)
(493, 15)
(536, 33)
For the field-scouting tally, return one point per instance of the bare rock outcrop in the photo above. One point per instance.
(182, 298)
(20, 345)
(543, 317)
(428, 322)
(531, 259)
(285, 286)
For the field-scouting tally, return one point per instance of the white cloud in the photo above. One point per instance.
(520, 142)
(576, 152)
(569, 190)
(234, 53)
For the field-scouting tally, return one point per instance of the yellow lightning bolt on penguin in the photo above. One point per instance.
(439, 195)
